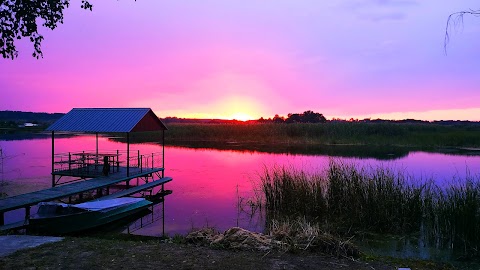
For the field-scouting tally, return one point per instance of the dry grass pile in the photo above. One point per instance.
(285, 236)
(233, 238)
(302, 235)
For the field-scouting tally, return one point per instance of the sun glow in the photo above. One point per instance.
(228, 108)
(238, 107)
(242, 116)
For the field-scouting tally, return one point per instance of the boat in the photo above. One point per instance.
(60, 218)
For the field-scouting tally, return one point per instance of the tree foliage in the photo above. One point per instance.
(305, 117)
(19, 19)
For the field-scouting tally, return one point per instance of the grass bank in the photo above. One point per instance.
(396, 134)
(345, 199)
(114, 252)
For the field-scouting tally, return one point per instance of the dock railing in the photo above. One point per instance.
(146, 161)
(90, 163)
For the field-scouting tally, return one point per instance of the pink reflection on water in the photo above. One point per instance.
(207, 184)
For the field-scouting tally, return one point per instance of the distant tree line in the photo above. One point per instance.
(32, 117)
(14, 118)
(177, 120)
(305, 117)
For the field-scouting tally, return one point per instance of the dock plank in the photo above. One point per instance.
(14, 226)
(62, 191)
(136, 189)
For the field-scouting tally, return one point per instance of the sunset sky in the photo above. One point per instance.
(253, 58)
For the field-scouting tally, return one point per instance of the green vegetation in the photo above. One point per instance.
(330, 133)
(346, 199)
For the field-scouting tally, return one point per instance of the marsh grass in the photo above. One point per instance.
(400, 134)
(345, 199)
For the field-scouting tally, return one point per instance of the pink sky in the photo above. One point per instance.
(247, 59)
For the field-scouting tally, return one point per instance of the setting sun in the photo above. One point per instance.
(241, 116)
(239, 108)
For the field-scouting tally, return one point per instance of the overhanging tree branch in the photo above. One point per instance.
(456, 19)
(18, 19)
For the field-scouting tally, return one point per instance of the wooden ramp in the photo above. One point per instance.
(136, 189)
(62, 191)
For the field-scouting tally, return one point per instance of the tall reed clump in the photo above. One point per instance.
(289, 192)
(455, 217)
(347, 198)
(372, 199)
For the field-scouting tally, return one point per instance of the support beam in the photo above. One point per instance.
(163, 153)
(128, 154)
(163, 213)
(53, 158)
(27, 213)
(96, 149)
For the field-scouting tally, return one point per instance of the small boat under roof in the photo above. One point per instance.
(61, 218)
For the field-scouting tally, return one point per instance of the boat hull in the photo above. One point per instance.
(66, 224)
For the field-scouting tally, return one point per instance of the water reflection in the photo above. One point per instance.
(208, 183)
(356, 151)
(405, 247)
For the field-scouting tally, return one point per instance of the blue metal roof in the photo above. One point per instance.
(108, 120)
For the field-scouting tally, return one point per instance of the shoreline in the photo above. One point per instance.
(127, 252)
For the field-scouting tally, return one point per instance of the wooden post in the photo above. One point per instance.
(96, 144)
(96, 150)
(163, 212)
(128, 155)
(138, 159)
(163, 153)
(53, 158)
(27, 212)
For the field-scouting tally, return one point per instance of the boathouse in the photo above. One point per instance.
(98, 170)
(116, 121)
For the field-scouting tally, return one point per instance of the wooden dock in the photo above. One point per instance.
(63, 191)
(136, 189)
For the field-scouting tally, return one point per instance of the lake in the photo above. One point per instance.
(209, 183)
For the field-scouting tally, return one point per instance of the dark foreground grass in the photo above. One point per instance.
(141, 253)
(346, 199)
(415, 135)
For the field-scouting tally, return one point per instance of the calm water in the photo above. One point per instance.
(208, 183)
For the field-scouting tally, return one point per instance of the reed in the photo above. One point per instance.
(455, 217)
(345, 199)
(405, 134)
